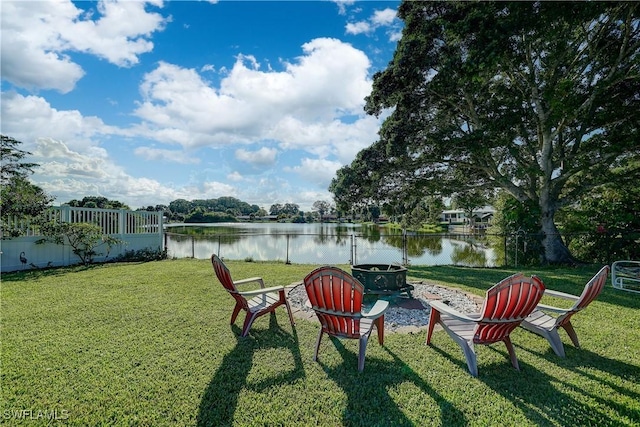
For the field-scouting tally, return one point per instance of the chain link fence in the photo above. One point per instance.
(479, 250)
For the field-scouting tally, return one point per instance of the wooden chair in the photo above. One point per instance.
(255, 302)
(506, 304)
(336, 297)
(546, 325)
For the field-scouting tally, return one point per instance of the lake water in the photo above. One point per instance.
(324, 244)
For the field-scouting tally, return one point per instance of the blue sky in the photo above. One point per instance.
(148, 102)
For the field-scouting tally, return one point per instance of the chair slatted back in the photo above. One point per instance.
(506, 305)
(591, 291)
(336, 297)
(224, 276)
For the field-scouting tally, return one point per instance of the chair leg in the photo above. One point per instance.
(379, 322)
(434, 318)
(572, 334)
(236, 310)
(315, 354)
(470, 356)
(247, 323)
(363, 350)
(512, 353)
(556, 343)
(284, 299)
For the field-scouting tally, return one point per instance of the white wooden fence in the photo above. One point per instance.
(137, 229)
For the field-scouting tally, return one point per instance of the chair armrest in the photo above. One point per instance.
(377, 310)
(261, 291)
(444, 308)
(552, 308)
(558, 294)
(250, 280)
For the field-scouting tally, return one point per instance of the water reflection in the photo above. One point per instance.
(326, 244)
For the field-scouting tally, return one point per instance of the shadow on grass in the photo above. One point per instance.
(38, 273)
(543, 402)
(548, 400)
(589, 366)
(368, 400)
(220, 399)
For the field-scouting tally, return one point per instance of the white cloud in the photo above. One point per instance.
(214, 189)
(328, 81)
(323, 139)
(361, 27)
(68, 175)
(317, 171)
(380, 18)
(28, 118)
(342, 5)
(262, 157)
(40, 35)
(159, 154)
(383, 17)
(235, 177)
(395, 36)
(313, 102)
(74, 162)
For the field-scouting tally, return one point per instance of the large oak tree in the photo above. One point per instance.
(541, 99)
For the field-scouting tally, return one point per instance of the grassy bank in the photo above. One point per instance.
(150, 344)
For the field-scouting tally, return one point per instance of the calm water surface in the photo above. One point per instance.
(323, 244)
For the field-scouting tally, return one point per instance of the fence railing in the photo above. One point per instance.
(137, 230)
(111, 221)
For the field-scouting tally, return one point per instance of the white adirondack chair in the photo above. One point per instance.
(544, 324)
(625, 275)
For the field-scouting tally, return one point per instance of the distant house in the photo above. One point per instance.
(458, 216)
(382, 219)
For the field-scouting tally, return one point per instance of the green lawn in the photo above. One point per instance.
(150, 344)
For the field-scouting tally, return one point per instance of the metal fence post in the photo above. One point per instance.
(405, 249)
(354, 253)
(287, 261)
(506, 255)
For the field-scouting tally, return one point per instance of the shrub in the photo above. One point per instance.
(83, 237)
(143, 255)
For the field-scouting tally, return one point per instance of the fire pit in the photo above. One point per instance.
(382, 279)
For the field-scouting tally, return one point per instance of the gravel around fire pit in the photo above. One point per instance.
(397, 318)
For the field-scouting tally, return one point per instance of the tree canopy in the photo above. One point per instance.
(19, 198)
(12, 164)
(226, 204)
(97, 202)
(541, 99)
(322, 207)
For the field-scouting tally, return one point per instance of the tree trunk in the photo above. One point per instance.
(555, 251)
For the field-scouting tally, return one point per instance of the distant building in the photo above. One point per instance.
(458, 216)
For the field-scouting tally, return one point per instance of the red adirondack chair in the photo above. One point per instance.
(336, 298)
(546, 325)
(506, 304)
(255, 302)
